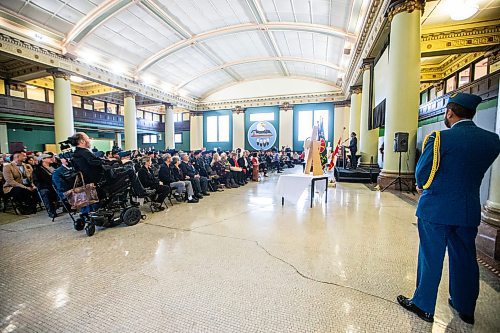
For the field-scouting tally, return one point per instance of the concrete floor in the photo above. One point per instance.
(236, 262)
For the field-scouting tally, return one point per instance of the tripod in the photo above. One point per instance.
(398, 180)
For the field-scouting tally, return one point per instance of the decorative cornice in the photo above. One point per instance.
(401, 6)
(26, 50)
(271, 101)
(372, 26)
(434, 43)
(367, 63)
(356, 89)
(450, 65)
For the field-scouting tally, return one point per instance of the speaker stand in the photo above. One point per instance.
(399, 180)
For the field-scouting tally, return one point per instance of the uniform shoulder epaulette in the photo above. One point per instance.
(436, 156)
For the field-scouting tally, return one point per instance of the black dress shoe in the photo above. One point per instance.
(408, 305)
(193, 200)
(199, 196)
(206, 193)
(466, 318)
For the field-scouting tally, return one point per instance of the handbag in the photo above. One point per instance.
(81, 196)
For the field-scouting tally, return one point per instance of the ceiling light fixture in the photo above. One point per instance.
(88, 56)
(461, 9)
(117, 68)
(76, 79)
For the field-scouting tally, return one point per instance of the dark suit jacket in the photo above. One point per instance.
(241, 163)
(353, 145)
(466, 152)
(166, 174)
(188, 170)
(147, 178)
(88, 164)
(177, 174)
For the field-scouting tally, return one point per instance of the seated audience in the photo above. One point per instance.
(42, 178)
(200, 183)
(149, 181)
(171, 175)
(19, 185)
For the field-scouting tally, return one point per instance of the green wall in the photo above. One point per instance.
(226, 146)
(299, 145)
(33, 137)
(160, 145)
(185, 146)
(275, 122)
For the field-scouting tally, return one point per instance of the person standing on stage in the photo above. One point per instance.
(449, 175)
(353, 148)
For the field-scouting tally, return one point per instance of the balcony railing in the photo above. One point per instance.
(25, 107)
(486, 87)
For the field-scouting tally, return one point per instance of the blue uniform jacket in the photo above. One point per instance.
(467, 152)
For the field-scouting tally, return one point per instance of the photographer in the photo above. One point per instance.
(19, 183)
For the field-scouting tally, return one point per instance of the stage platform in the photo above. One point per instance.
(359, 175)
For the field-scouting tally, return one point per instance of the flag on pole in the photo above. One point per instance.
(321, 138)
(335, 153)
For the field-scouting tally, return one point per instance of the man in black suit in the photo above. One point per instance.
(200, 183)
(169, 175)
(91, 166)
(148, 180)
(246, 164)
(353, 148)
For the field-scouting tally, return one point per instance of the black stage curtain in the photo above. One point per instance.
(379, 115)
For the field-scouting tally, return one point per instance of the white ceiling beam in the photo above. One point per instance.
(259, 59)
(94, 19)
(260, 17)
(184, 34)
(274, 26)
(156, 9)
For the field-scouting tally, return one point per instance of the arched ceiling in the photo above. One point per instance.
(198, 47)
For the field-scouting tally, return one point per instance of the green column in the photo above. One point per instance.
(63, 109)
(130, 121)
(4, 139)
(403, 88)
(169, 127)
(368, 139)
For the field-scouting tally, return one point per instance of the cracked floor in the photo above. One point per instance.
(236, 262)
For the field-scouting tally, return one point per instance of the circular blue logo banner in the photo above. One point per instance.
(262, 135)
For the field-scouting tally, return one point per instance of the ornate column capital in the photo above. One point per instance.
(195, 113)
(367, 63)
(238, 109)
(59, 74)
(401, 6)
(356, 89)
(286, 106)
(128, 94)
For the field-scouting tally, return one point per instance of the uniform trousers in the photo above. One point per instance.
(464, 271)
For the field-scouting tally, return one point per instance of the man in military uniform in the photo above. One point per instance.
(449, 175)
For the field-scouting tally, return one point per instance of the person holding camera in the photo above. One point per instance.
(18, 185)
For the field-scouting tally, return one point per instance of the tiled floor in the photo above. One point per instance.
(236, 262)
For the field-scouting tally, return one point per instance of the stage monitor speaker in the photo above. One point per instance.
(401, 142)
